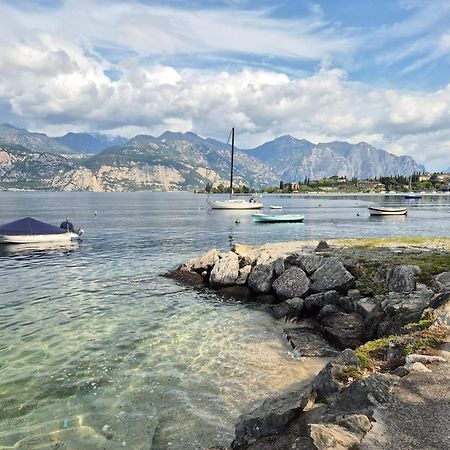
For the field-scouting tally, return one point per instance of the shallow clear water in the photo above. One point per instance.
(92, 335)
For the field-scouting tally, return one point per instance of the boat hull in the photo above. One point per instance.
(234, 204)
(264, 218)
(38, 238)
(380, 211)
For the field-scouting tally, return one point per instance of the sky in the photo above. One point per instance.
(353, 70)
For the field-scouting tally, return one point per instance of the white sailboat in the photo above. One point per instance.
(233, 203)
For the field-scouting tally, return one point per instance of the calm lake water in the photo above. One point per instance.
(97, 350)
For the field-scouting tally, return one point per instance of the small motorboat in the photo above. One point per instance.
(387, 211)
(413, 196)
(30, 231)
(266, 218)
(275, 207)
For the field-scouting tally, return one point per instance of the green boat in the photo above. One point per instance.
(265, 218)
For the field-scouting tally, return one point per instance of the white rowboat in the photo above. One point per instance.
(387, 211)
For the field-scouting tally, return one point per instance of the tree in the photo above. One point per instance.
(281, 185)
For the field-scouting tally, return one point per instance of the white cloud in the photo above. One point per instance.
(54, 80)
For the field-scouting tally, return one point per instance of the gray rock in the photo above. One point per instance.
(225, 270)
(332, 275)
(442, 282)
(346, 304)
(271, 417)
(325, 384)
(354, 294)
(291, 308)
(346, 433)
(261, 278)
(402, 278)
(309, 263)
(293, 282)
(267, 299)
(362, 396)
(364, 306)
(244, 272)
(401, 371)
(328, 436)
(316, 302)
(424, 359)
(322, 246)
(245, 261)
(341, 329)
(307, 343)
(203, 263)
(279, 266)
(395, 311)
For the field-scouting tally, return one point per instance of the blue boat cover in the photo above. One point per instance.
(29, 226)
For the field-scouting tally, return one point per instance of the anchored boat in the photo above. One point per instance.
(30, 231)
(387, 211)
(266, 218)
(234, 203)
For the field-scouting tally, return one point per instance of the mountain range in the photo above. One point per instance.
(177, 161)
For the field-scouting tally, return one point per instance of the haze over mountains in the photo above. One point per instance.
(177, 161)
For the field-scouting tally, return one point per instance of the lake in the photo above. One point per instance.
(97, 350)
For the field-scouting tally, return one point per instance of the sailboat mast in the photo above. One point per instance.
(232, 162)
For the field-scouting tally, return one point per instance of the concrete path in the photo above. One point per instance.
(418, 417)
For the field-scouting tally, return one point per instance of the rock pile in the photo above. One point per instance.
(304, 285)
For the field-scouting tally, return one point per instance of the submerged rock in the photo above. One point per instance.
(293, 282)
(308, 343)
(186, 277)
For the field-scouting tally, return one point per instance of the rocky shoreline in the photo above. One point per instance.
(367, 301)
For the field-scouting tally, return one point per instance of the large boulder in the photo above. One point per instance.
(332, 275)
(261, 278)
(326, 384)
(225, 270)
(362, 396)
(442, 282)
(289, 309)
(396, 310)
(346, 433)
(402, 278)
(315, 302)
(293, 282)
(271, 417)
(344, 330)
(309, 262)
